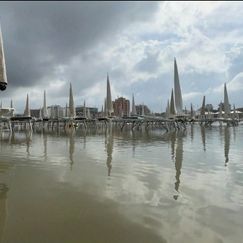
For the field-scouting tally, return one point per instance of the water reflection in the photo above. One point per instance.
(221, 133)
(109, 149)
(21, 138)
(4, 137)
(45, 144)
(143, 188)
(177, 156)
(178, 161)
(234, 133)
(84, 141)
(226, 144)
(17, 138)
(3, 208)
(203, 137)
(71, 148)
(173, 140)
(192, 132)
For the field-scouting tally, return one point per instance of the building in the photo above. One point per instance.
(140, 108)
(55, 111)
(121, 107)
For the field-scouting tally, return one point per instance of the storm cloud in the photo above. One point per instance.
(41, 37)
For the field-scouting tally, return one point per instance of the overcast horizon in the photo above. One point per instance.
(50, 44)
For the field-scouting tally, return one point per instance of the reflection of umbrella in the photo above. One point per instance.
(173, 139)
(45, 144)
(28, 140)
(234, 133)
(178, 161)
(176, 139)
(17, 138)
(192, 131)
(109, 149)
(84, 140)
(3, 207)
(71, 148)
(203, 137)
(226, 144)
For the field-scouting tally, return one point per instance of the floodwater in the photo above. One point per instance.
(112, 186)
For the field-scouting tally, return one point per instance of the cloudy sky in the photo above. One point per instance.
(50, 44)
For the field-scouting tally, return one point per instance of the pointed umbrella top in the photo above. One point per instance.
(84, 111)
(226, 102)
(40, 113)
(27, 107)
(172, 104)
(203, 106)
(44, 109)
(192, 112)
(66, 110)
(167, 112)
(177, 90)
(109, 104)
(11, 106)
(134, 112)
(105, 107)
(72, 112)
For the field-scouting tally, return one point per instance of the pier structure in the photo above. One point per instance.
(132, 123)
(135, 122)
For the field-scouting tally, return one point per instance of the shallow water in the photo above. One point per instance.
(112, 186)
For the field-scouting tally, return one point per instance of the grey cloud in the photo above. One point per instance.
(149, 64)
(39, 36)
(237, 67)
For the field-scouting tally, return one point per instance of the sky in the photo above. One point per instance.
(50, 44)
